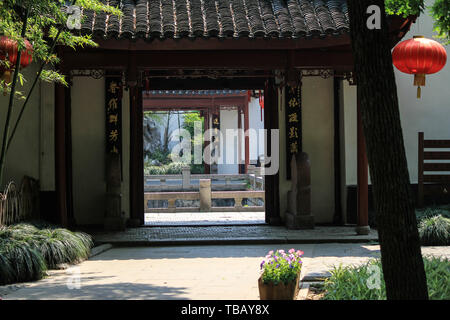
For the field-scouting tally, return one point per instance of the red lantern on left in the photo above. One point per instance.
(8, 51)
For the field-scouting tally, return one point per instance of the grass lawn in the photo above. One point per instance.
(359, 282)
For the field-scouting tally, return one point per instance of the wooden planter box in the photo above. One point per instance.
(280, 291)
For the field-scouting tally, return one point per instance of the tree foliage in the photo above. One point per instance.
(439, 11)
(46, 24)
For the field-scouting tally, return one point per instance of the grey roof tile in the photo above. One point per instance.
(219, 18)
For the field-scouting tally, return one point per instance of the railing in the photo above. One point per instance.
(19, 204)
(190, 182)
(204, 197)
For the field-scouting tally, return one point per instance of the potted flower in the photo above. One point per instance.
(280, 275)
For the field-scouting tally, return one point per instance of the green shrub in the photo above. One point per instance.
(19, 262)
(171, 168)
(351, 283)
(26, 250)
(63, 246)
(435, 231)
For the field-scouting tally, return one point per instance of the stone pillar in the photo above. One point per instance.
(186, 174)
(205, 195)
(114, 219)
(299, 197)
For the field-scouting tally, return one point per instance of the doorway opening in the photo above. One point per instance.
(203, 157)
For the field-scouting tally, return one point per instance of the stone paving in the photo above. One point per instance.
(232, 234)
(186, 272)
(204, 218)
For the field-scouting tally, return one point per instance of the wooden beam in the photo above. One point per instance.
(338, 212)
(189, 102)
(239, 149)
(136, 158)
(420, 195)
(69, 171)
(249, 59)
(363, 176)
(272, 199)
(247, 138)
(60, 155)
(207, 84)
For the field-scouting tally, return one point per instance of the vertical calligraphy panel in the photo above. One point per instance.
(113, 115)
(293, 109)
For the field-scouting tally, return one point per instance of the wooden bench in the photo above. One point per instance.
(433, 177)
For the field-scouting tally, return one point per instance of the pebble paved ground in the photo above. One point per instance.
(186, 272)
(244, 234)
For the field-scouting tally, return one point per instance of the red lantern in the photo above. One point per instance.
(8, 50)
(419, 56)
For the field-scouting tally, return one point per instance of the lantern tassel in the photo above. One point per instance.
(419, 81)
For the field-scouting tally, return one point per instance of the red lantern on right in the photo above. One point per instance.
(419, 56)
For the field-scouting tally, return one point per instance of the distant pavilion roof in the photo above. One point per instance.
(195, 93)
(173, 19)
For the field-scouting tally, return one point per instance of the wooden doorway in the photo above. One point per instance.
(137, 212)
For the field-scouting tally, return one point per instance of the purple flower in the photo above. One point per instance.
(277, 266)
(262, 264)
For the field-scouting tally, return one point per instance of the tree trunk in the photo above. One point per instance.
(166, 134)
(401, 257)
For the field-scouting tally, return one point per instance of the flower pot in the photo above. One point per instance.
(280, 291)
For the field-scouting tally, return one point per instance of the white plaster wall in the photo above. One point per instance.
(88, 150)
(318, 143)
(350, 129)
(256, 146)
(23, 154)
(228, 120)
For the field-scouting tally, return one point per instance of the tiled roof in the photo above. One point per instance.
(195, 92)
(219, 18)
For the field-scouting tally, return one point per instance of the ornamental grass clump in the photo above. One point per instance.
(27, 250)
(19, 261)
(434, 231)
(281, 267)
